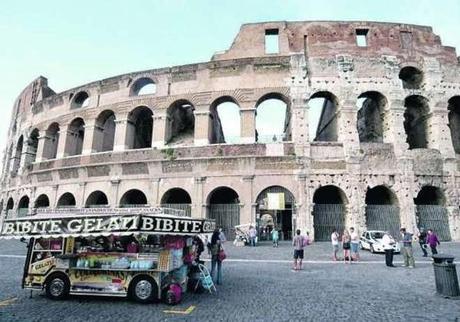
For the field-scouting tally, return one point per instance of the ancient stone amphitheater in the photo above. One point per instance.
(384, 153)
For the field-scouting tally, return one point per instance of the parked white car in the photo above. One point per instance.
(372, 240)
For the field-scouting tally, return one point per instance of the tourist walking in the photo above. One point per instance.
(408, 254)
(299, 243)
(432, 241)
(275, 237)
(346, 240)
(216, 247)
(388, 243)
(252, 236)
(354, 244)
(422, 241)
(222, 237)
(335, 244)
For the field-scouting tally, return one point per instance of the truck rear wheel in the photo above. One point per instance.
(57, 287)
(143, 289)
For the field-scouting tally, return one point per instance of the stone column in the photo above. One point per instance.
(54, 201)
(347, 123)
(302, 205)
(155, 188)
(202, 127)
(124, 134)
(81, 197)
(61, 149)
(299, 124)
(454, 222)
(160, 122)
(394, 127)
(91, 141)
(247, 211)
(115, 183)
(439, 133)
(42, 138)
(248, 122)
(199, 204)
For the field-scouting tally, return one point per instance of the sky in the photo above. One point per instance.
(73, 43)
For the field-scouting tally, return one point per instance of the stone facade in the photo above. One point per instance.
(109, 137)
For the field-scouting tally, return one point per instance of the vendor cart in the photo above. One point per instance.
(140, 253)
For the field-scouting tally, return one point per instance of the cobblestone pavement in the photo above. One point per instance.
(259, 286)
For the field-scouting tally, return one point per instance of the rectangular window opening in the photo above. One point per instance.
(271, 41)
(361, 37)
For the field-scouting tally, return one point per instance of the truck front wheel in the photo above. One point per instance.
(57, 287)
(143, 289)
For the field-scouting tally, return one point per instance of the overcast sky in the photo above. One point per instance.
(73, 43)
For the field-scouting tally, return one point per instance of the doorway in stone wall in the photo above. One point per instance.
(275, 210)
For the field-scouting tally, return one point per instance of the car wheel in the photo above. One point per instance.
(143, 289)
(57, 287)
(371, 248)
(361, 246)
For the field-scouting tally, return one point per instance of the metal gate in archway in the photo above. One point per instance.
(434, 217)
(227, 216)
(326, 218)
(383, 217)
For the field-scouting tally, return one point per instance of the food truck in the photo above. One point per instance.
(140, 253)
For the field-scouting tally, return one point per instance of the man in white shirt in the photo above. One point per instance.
(388, 243)
(354, 244)
(335, 244)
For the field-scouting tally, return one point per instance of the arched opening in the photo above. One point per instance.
(411, 77)
(431, 212)
(18, 154)
(177, 198)
(180, 129)
(67, 200)
(133, 198)
(51, 141)
(140, 133)
(96, 199)
(104, 132)
(416, 117)
(32, 146)
(454, 122)
(225, 116)
(224, 207)
(273, 119)
(80, 100)
(382, 211)
(8, 160)
(275, 208)
(75, 137)
(23, 206)
(322, 117)
(328, 211)
(42, 201)
(143, 86)
(9, 208)
(370, 117)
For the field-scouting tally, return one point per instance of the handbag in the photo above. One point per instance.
(221, 256)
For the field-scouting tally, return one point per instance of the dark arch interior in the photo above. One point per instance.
(143, 125)
(327, 128)
(176, 196)
(380, 195)
(10, 204)
(144, 86)
(18, 154)
(66, 200)
(370, 117)
(33, 145)
(454, 122)
(51, 141)
(329, 195)
(23, 202)
(42, 202)
(224, 195)
(74, 144)
(181, 124)
(96, 198)
(133, 197)
(411, 77)
(105, 132)
(80, 100)
(430, 195)
(415, 121)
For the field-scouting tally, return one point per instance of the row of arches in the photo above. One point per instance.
(330, 207)
(273, 121)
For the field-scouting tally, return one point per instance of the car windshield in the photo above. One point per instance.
(377, 235)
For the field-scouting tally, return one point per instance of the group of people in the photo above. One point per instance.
(350, 245)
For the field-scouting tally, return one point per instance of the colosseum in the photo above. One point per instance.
(383, 153)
